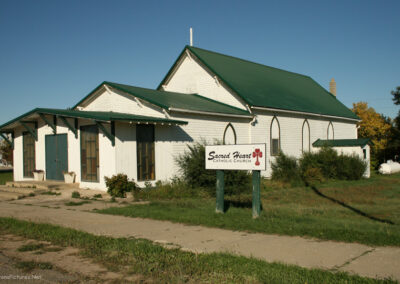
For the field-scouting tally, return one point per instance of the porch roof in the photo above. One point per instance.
(361, 142)
(92, 115)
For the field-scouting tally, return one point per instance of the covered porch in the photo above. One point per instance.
(90, 144)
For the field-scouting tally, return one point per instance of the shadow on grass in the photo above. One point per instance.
(239, 204)
(355, 210)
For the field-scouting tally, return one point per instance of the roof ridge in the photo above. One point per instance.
(179, 93)
(211, 100)
(245, 60)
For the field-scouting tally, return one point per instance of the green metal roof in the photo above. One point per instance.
(94, 115)
(342, 142)
(167, 100)
(263, 86)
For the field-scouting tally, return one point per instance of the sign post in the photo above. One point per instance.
(256, 194)
(220, 192)
(237, 157)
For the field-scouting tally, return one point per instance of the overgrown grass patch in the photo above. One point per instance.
(5, 177)
(173, 265)
(78, 203)
(295, 211)
(31, 265)
(31, 247)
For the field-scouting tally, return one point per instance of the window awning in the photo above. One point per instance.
(91, 115)
(361, 142)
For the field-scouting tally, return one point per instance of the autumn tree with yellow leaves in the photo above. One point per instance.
(373, 126)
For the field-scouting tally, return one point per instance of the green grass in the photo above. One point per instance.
(30, 265)
(76, 194)
(79, 203)
(296, 211)
(31, 247)
(5, 176)
(158, 264)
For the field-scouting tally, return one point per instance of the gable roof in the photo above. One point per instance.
(263, 86)
(342, 142)
(173, 100)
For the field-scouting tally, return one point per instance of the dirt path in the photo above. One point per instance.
(61, 264)
(377, 262)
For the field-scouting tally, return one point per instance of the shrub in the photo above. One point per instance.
(313, 175)
(174, 189)
(331, 166)
(286, 169)
(76, 194)
(318, 167)
(118, 185)
(192, 166)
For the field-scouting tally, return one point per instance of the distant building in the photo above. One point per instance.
(205, 95)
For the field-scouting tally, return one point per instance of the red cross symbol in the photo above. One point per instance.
(257, 154)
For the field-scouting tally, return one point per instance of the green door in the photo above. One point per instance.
(56, 156)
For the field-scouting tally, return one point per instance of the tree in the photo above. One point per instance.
(396, 96)
(6, 151)
(396, 100)
(395, 137)
(372, 125)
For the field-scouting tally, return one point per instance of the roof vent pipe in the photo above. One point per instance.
(191, 36)
(332, 87)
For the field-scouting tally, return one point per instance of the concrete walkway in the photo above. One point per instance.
(377, 262)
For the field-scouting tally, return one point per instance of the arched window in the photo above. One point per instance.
(305, 143)
(330, 133)
(229, 135)
(275, 134)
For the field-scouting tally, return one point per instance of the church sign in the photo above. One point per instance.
(236, 157)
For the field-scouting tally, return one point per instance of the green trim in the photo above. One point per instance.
(114, 85)
(170, 100)
(219, 76)
(361, 142)
(11, 142)
(30, 130)
(70, 127)
(109, 135)
(172, 68)
(268, 87)
(93, 115)
(48, 122)
(88, 95)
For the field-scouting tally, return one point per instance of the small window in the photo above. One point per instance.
(275, 147)
(90, 153)
(365, 154)
(229, 135)
(330, 133)
(145, 152)
(28, 154)
(275, 134)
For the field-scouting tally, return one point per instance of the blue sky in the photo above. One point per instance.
(53, 53)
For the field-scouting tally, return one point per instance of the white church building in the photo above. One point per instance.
(204, 96)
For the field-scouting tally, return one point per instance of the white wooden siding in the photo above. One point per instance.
(117, 101)
(192, 77)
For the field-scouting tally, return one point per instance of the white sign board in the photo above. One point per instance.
(236, 157)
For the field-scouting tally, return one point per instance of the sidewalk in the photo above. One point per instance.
(377, 262)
